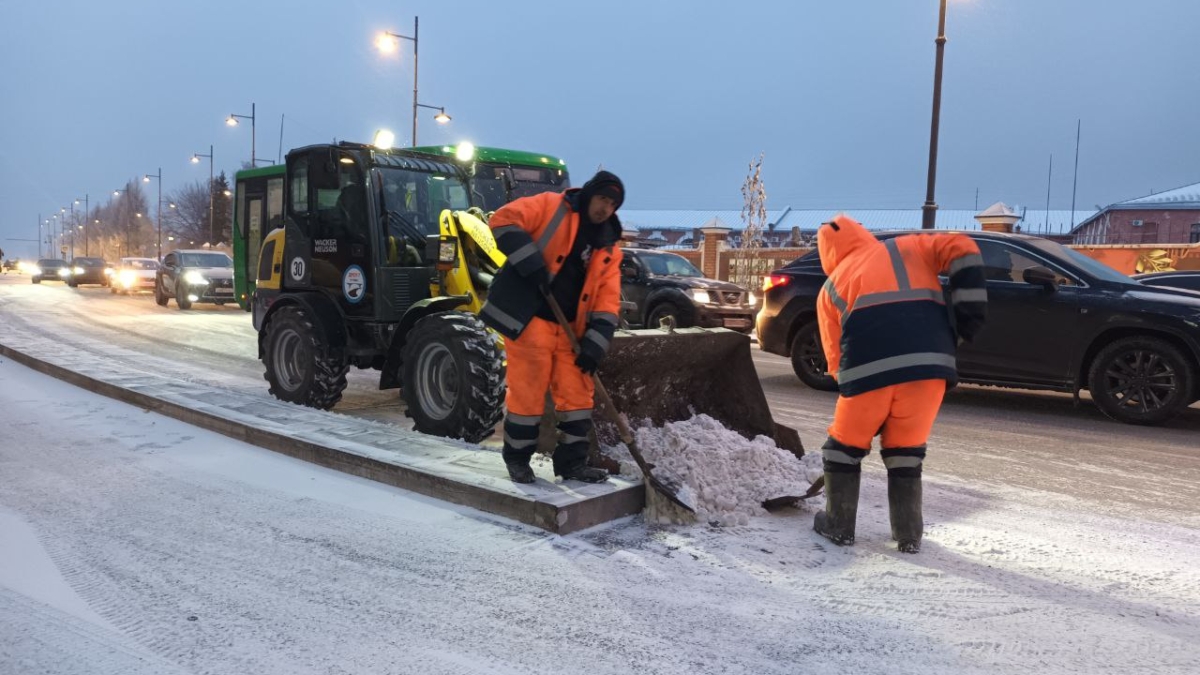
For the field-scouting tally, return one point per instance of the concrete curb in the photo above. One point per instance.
(558, 510)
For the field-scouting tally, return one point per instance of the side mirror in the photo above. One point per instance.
(629, 272)
(1040, 276)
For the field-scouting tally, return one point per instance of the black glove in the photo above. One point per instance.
(589, 357)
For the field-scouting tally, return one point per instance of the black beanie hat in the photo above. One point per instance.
(607, 184)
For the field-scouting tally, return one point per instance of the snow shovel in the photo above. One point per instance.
(667, 486)
(780, 502)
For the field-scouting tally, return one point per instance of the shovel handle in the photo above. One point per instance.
(601, 392)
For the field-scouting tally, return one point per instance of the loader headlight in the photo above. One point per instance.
(701, 297)
(443, 249)
(195, 278)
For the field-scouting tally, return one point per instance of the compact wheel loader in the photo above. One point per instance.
(374, 268)
(383, 262)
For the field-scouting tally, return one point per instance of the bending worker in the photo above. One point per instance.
(890, 343)
(565, 243)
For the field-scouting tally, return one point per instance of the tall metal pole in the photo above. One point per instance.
(160, 209)
(71, 229)
(1075, 180)
(416, 34)
(39, 236)
(87, 210)
(1049, 175)
(253, 124)
(211, 227)
(929, 209)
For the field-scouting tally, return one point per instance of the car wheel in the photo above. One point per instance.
(808, 358)
(72, 284)
(1141, 380)
(37, 280)
(299, 364)
(664, 310)
(160, 296)
(181, 298)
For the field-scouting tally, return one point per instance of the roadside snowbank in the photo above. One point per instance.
(729, 474)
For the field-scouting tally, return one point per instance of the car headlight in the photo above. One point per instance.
(127, 277)
(64, 272)
(34, 270)
(108, 271)
(701, 297)
(751, 299)
(194, 277)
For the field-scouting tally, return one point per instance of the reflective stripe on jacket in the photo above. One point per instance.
(546, 225)
(882, 312)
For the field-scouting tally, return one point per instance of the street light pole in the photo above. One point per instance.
(147, 178)
(232, 121)
(413, 39)
(929, 209)
(86, 215)
(196, 160)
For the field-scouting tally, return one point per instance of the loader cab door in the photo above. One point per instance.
(331, 251)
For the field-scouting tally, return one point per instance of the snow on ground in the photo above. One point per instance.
(727, 475)
(134, 543)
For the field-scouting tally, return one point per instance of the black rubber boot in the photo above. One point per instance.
(520, 472)
(584, 473)
(836, 522)
(904, 506)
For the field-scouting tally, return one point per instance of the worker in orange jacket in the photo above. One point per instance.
(565, 244)
(890, 343)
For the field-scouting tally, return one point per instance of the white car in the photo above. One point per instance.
(133, 275)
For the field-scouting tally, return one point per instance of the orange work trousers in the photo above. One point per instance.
(541, 359)
(903, 414)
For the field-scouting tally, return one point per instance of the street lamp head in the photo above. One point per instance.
(386, 43)
(146, 178)
(228, 193)
(442, 117)
(171, 204)
(195, 159)
(231, 121)
(138, 215)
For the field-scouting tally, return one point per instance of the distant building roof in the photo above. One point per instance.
(1034, 221)
(1186, 198)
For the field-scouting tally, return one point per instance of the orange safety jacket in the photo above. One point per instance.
(541, 229)
(882, 312)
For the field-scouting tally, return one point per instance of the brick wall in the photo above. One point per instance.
(1157, 227)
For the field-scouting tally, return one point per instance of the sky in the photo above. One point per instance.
(166, 548)
(676, 97)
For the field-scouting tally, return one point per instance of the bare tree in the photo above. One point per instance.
(188, 221)
(748, 264)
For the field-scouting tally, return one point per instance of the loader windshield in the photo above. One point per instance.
(414, 199)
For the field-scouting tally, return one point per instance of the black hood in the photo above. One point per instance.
(599, 235)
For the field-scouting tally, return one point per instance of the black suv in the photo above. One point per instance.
(194, 276)
(89, 271)
(658, 284)
(1057, 320)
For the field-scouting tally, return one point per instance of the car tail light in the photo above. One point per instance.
(773, 280)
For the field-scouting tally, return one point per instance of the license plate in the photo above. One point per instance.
(737, 323)
(223, 291)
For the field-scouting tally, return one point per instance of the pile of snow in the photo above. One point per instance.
(728, 475)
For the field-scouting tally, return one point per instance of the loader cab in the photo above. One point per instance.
(362, 216)
(500, 175)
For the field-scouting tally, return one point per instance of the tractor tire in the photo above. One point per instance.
(181, 299)
(160, 298)
(452, 378)
(298, 364)
(808, 358)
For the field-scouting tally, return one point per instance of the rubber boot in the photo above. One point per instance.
(904, 506)
(583, 472)
(520, 472)
(836, 522)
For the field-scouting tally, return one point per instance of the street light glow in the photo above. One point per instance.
(442, 117)
(195, 159)
(231, 121)
(145, 179)
(386, 43)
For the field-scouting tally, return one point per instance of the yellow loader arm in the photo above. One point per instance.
(477, 260)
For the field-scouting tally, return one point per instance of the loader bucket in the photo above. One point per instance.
(665, 376)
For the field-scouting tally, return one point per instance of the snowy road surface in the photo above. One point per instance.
(1056, 542)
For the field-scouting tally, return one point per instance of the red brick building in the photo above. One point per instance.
(1171, 217)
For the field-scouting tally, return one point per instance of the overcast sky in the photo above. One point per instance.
(676, 97)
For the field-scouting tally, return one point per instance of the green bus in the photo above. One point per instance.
(257, 209)
(498, 177)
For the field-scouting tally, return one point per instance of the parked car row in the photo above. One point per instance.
(188, 276)
(1057, 320)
